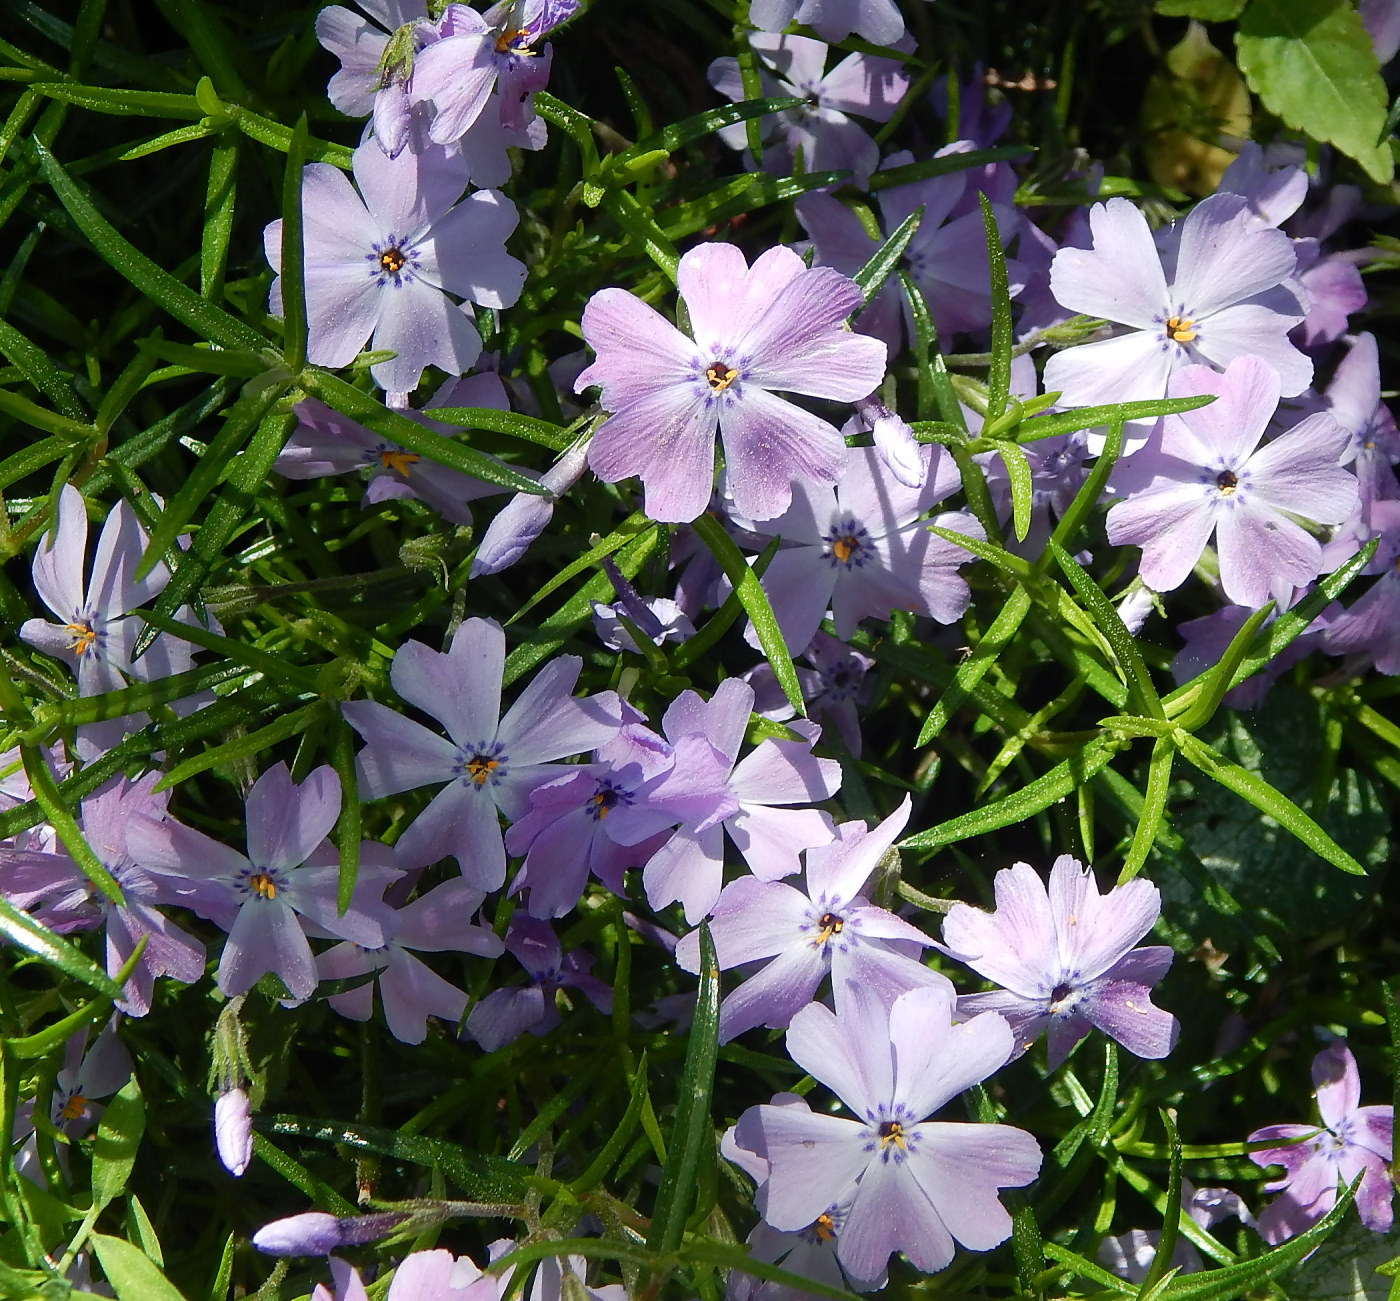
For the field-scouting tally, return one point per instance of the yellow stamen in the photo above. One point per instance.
(830, 925)
(823, 1227)
(391, 260)
(506, 42)
(1179, 327)
(845, 547)
(719, 376)
(398, 460)
(84, 637)
(480, 768)
(891, 1131)
(601, 800)
(263, 885)
(73, 1108)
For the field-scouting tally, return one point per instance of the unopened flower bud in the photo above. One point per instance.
(316, 1233)
(233, 1130)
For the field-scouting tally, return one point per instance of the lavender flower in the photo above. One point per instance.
(834, 688)
(326, 442)
(505, 1014)
(862, 549)
(1209, 475)
(877, 21)
(1353, 400)
(1130, 1255)
(1352, 1140)
(289, 869)
(525, 516)
(777, 324)
(1371, 626)
(489, 762)
(233, 1130)
(832, 928)
(1221, 292)
(821, 130)
(379, 264)
(910, 1186)
(1065, 959)
(439, 921)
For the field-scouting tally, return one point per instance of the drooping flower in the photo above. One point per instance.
(1065, 959)
(490, 762)
(832, 929)
(912, 1185)
(1223, 293)
(1209, 475)
(821, 130)
(382, 261)
(440, 921)
(289, 871)
(775, 325)
(1352, 1140)
(317, 1233)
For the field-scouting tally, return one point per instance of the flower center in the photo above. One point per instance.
(891, 1131)
(719, 376)
(604, 799)
(1181, 328)
(1226, 482)
(515, 41)
(391, 260)
(847, 544)
(823, 1229)
(263, 885)
(73, 1108)
(396, 459)
(83, 637)
(483, 765)
(830, 924)
(480, 768)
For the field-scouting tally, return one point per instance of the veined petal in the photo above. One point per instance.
(1223, 259)
(58, 562)
(1119, 279)
(638, 350)
(768, 442)
(286, 821)
(462, 688)
(267, 938)
(425, 328)
(399, 754)
(963, 1167)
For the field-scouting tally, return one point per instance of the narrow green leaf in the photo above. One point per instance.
(1071, 422)
(945, 165)
(885, 260)
(69, 833)
(616, 1145)
(119, 1134)
(267, 132)
(223, 1275)
(735, 1255)
(719, 623)
(33, 458)
(935, 388)
(1313, 64)
(121, 101)
(154, 282)
(294, 252)
(78, 711)
(1215, 681)
(755, 602)
(37, 417)
(1110, 623)
(248, 746)
(1171, 1222)
(999, 372)
(348, 826)
(1018, 473)
(1268, 800)
(51, 1036)
(1154, 807)
(528, 428)
(687, 129)
(745, 194)
(1007, 561)
(21, 930)
(40, 371)
(132, 1274)
(168, 140)
(620, 536)
(693, 1129)
(220, 197)
(638, 222)
(974, 668)
(413, 437)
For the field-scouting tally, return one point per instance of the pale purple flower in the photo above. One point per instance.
(864, 550)
(1273, 182)
(1353, 399)
(911, 1185)
(98, 631)
(877, 21)
(775, 325)
(548, 1281)
(441, 921)
(505, 1014)
(1333, 290)
(821, 129)
(1222, 290)
(326, 442)
(1065, 959)
(289, 869)
(233, 1130)
(382, 261)
(1352, 1140)
(1381, 19)
(1209, 475)
(748, 804)
(317, 1233)
(832, 929)
(57, 892)
(490, 762)
(526, 515)
(834, 687)
(1371, 625)
(658, 618)
(1130, 1255)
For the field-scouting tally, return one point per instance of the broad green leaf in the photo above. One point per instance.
(119, 1134)
(885, 260)
(1312, 63)
(693, 1130)
(132, 1274)
(154, 282)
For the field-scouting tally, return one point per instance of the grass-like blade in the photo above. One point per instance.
(885, 260)
(999, 372)
(687, 129)
(529, 428)
(945, 165)
(249, 746)
(1071, 422)
(21, 930)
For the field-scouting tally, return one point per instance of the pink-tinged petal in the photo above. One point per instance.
(688, 868)
(865, 85)
(772, 839)
(441, 921)
(842, 241)
(848, 1050)
(773, 996)
(1133, 367)
(753, 920)
(1292, 1156)
(458, 75)
(1016, 946)
(667, 439)
(723, 719)
(1373, 1129)
(840, 869)
(1261, 331)
(438, 1276)
(961, 1168)
(399, 754)
(58, 562)
(286, 821)
(798, 344)
(425, 328)
(870, 493)
(1172, 525)
(267, 937)
(1337, 1084)
(53, 639)
(1246, 396)
(1311, 1194)
(784, 772)
(411, 992)
(1096, 931)
(768, 442)
(1120, 278)
(338, 226)
(936, 1060)
(891, 1212)
(547, 723)
(1299, 472)
(233, 1131)
(461, 823)
(638, 350)
(1222, 260)
(815, 1161)
(1260, 550)
(465, 252)
(725, 296)
(408, 194)
(694, 791)
(1124, 1011)
(1374, 1197)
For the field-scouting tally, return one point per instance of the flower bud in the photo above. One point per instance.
(233, 1130)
